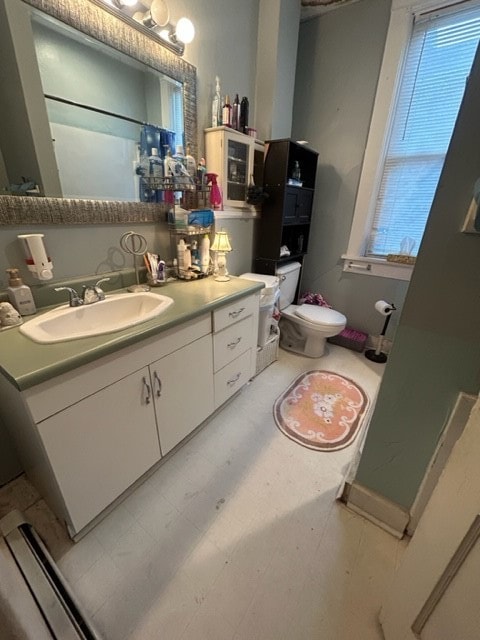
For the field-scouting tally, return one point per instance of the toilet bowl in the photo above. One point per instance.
(304, 328)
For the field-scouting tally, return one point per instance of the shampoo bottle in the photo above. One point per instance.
(19, 294)
(156, 165)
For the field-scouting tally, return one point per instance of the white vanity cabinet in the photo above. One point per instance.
(89, 434)
(103, 425)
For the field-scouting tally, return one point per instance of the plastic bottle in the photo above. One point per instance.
(244, 114)
(187, 258)
(205, 253)
(167, 164)
(227, 112)
(195, 253)
(156, 165)
(217, 105)
(19, 294)
(181, 257)
(236, 113)
(190, 163)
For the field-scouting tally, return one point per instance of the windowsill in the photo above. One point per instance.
(376, 267)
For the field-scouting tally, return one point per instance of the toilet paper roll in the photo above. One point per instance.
(385, 308)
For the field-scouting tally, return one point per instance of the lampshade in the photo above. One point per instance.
(221, 242)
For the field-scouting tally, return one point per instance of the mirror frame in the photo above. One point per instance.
(108, 25)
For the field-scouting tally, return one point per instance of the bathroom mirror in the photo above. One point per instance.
(164, 75)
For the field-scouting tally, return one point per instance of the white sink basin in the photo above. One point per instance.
(116, 312)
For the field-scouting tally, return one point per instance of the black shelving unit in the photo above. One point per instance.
(287, 212)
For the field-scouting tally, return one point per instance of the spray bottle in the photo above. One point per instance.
(215, 192)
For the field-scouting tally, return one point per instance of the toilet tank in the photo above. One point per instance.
(288, 275)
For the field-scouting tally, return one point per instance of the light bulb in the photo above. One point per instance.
(159, 12)
(128, 3)
(185, 31)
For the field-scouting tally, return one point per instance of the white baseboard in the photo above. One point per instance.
(378, 509)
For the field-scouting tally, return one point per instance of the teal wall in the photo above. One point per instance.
(436, 353)
(338, 64)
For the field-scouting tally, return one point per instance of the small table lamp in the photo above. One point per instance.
(222, 246)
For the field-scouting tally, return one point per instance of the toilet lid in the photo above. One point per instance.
(321, 315)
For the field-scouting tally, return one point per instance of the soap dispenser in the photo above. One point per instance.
(19, 294)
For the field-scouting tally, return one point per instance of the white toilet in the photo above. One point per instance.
(304, 328)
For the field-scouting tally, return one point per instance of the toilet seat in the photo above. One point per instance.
(321, 316)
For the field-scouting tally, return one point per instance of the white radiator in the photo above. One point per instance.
(36, 603)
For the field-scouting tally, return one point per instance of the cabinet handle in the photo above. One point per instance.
(235, 314)
(232, 345)
(159, 384)
(232, 381)
(148, 391)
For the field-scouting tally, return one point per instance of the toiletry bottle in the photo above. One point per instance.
(156, 165)
(19, 294)
(187, 258)
(227, 112)
(181, 257)
(167, 163)
(236, 114)
(201, 173)
(244, 115)
(195, 253)
(205, 253)
(217, 105)
(190, 163)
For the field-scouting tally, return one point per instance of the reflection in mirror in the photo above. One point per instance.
(97, 101)
(26, 139)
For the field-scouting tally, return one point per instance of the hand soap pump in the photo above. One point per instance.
(19, 294)
(36, 256)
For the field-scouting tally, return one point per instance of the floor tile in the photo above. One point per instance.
(236, 536)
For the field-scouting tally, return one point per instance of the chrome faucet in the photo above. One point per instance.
(90, 294)
(74, 299)
(93, 293)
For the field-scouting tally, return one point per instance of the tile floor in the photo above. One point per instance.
(238, 536)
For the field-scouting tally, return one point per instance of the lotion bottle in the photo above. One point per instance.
(19, 294)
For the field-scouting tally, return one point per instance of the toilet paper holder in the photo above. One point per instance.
(385, 309)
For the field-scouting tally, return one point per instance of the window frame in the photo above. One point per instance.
(402, 16)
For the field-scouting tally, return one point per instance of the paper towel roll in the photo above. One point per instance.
(385, 308)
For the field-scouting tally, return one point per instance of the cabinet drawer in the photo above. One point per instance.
(232, 342)
(233, 312)
(231, 378)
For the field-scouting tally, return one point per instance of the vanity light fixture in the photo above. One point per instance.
(157, 20)
(221, 245)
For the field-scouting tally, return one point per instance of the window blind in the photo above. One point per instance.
(438, 61)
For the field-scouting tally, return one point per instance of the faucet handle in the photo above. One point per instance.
(101, 280)
(74, 299)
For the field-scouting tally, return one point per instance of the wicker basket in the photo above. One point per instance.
(268, 353)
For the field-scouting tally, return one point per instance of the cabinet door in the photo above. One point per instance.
(290, 206)
(182, 384)
(304, 206)
(237, 170)
(99, 446)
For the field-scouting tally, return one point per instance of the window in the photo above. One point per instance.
(402, 168)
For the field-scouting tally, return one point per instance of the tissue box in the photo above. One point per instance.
(200, 218)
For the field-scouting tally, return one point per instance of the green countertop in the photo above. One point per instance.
(26, 363)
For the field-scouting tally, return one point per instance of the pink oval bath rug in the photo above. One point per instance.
(321, 410)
